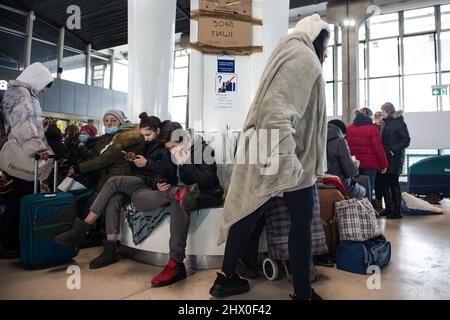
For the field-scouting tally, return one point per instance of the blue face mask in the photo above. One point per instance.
(111, 130)
(84, 138)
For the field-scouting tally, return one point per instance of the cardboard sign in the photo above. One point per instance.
(224, 33)
(242, 7)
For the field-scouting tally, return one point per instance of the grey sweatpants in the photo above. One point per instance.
(120, 190)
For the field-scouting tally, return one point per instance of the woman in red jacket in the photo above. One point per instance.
(365, 144)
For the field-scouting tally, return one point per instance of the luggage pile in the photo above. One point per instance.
(361, 243)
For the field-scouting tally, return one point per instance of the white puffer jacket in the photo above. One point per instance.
(22, 111)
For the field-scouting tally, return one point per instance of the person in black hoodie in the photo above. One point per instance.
(395, 137)
(194, 185)
(119, 189)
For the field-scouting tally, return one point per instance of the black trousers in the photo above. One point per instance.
(243, 237)
(379, 186)
(9, 226)
(392, 194)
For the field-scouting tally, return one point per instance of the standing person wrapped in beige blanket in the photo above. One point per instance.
(290, 106)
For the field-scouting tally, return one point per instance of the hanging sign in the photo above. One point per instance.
(226, 89)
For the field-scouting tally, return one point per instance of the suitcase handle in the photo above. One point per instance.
(37, 157)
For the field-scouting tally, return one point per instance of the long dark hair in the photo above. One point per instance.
(168, 130)
(319, 44)
(152, 123)
(71, 136)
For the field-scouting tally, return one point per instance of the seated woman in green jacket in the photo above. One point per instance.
(120, 135)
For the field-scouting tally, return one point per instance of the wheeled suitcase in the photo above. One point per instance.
(328, 198)
(277, 229)
(42, 217)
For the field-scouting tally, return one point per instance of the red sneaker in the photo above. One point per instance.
(172, 273)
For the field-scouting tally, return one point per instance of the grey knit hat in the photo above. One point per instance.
(119, 115)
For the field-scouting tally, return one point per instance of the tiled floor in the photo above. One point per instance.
(419, 269)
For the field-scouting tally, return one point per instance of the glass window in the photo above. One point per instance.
(74, 68)
(329, 93)
(181, 58)
(384, 90)
(445, 17)
(180, 82)
(339, 97)
(420, 20)
(362, 64)
(384, 26)
(445, 51)
(362, 93)
(419, 54)
(120, 78)
(418, 95)
(13, 49)
(362, 32)
(384, 58)
(328, 65)
(46, 54)
(339, 63)
(331, 41)
(179, 108)
(446, 99)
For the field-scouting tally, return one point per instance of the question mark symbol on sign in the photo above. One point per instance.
(220, 78)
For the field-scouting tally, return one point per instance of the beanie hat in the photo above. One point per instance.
(119, 115)
(312, 26)
(90, 130)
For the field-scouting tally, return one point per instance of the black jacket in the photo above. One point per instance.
(155, 153)
(54, 138)
(395, 138)
(201, 169)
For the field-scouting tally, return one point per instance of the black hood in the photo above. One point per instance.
(362, 120)
(334, 132)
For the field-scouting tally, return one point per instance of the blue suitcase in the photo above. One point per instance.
(42, 217)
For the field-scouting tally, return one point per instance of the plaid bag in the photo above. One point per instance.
(278, 225)
(357, 220)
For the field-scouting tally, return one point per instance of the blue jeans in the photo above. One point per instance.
(371, 173)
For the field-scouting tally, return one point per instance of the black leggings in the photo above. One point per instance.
(391, 181)
(244, 233)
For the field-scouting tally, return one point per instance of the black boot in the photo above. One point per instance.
(396, 204)
(314, 296)
(109, 255)
(75, 236)
(224, 286)
(323, 260)
(388, 201)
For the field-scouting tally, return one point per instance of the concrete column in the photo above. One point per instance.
(29, 38)
(88, 75)
(112, 61)
(203, 113)
(349, 15)
(151, 40)
(60, 57)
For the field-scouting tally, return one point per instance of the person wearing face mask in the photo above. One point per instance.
(24, 126)
(120, 135)
(146, 165)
